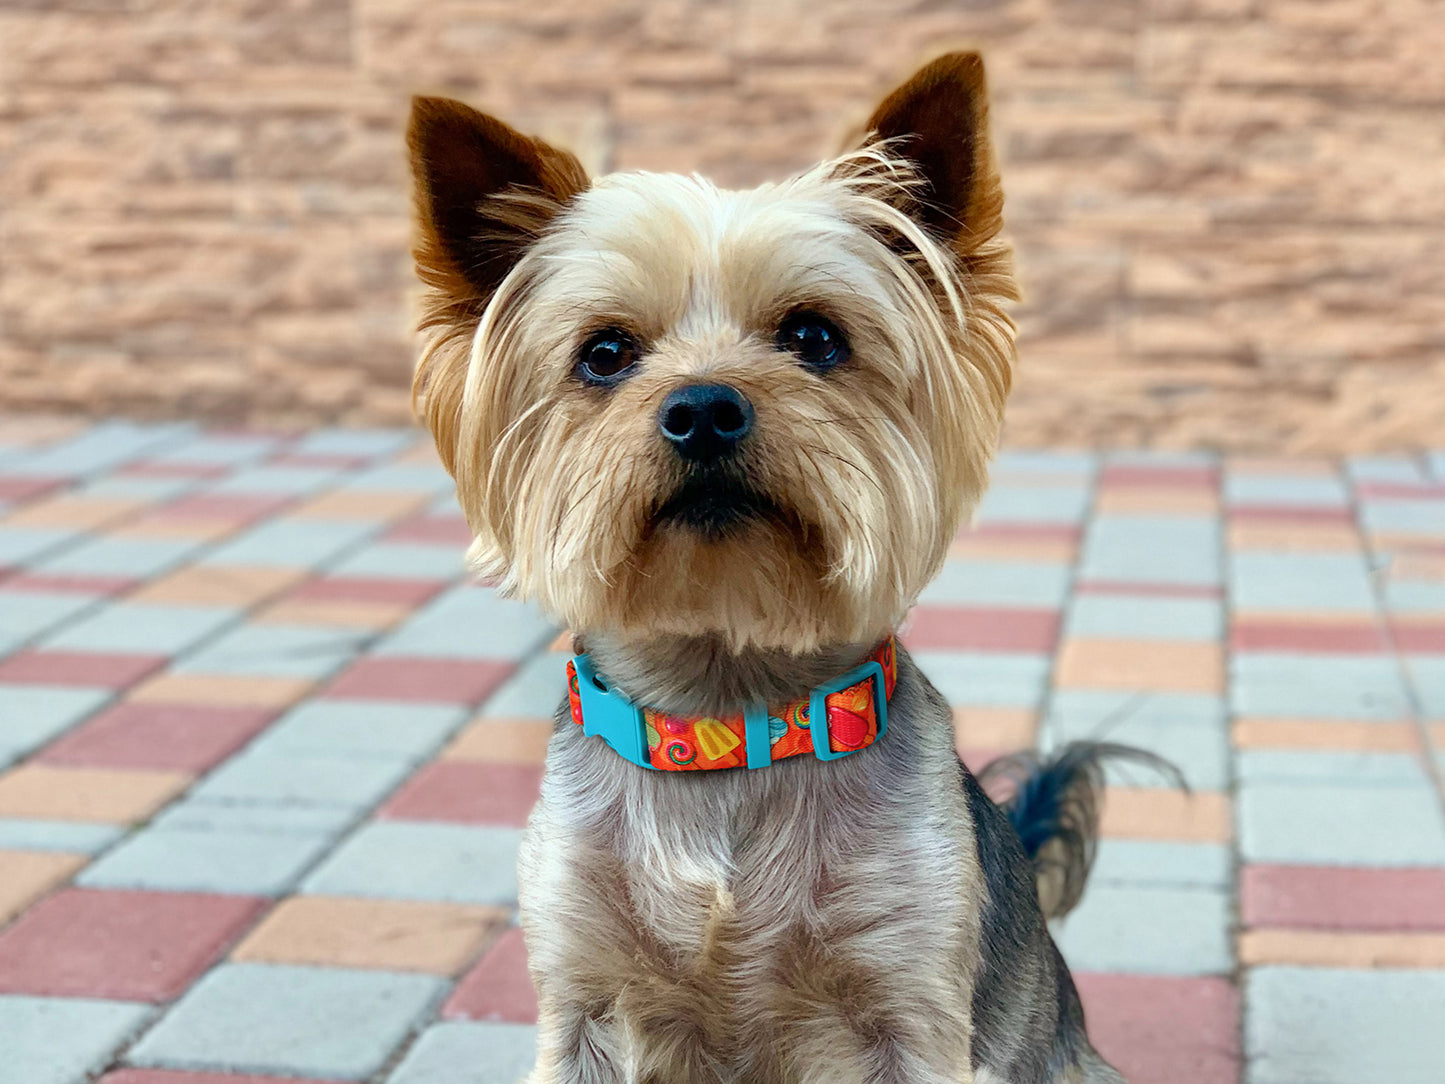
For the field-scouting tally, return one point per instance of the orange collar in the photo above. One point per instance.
(855, 706)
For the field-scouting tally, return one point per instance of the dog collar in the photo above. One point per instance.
(853, 707)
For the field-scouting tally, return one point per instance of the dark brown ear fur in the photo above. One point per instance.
(460, 160)
(484, 192)
(938, 119)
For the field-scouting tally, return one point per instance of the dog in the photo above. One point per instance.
(727, 437)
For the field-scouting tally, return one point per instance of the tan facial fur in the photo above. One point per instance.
(867, 469)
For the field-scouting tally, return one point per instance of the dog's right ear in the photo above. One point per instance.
(484, 192)
(939, 120)
(461, 160)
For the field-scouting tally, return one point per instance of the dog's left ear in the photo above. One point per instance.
(461, 161)
(484, 193)
(938, 120)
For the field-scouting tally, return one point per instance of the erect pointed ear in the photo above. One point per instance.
(484, 192)
(461, 160)
(938, 119)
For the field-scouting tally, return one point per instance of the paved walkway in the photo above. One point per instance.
(264, 755)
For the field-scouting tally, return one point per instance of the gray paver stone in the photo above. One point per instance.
(1317, 1025)
(332, 1023)
(55, 1040)
(469, 1053)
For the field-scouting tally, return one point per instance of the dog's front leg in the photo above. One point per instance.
(852, 1021)
(675, 1049)
(840, 1055)
(576, 1045)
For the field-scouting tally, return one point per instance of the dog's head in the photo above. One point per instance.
(672, 409)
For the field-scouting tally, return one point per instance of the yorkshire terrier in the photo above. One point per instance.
(727, 437)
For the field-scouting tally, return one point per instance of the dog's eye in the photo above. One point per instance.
(606, 356)
(814, 340)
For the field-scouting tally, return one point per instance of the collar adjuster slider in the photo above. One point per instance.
(818, 708)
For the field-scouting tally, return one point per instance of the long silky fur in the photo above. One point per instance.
(861, 921)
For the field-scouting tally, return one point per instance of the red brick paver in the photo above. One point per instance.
(1164, 1030)
(498, 988)
(89, 668)
(468, 792)
(1342, 898)
(959, 628)
(433, 680)
(179, 737)
(139, 946)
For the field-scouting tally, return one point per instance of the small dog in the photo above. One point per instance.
(727, 437)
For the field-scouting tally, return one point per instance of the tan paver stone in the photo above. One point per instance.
(1174, 666)
(360, 615)
(997, 549)
(218, 585)
(398, 935)
(1293, 537)
(1334, 734)
(1404, 542)
(1417, 566)
(82, 513)
(1154, 813)
(25, 876)
(87, 794)
(995, 728)
(511, 741)
(1157, 501)
(194, 530)
(237, 690)
(1329, 948)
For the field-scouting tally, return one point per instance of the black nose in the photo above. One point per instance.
(705, 421)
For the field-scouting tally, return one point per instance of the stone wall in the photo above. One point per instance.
(1230, 214)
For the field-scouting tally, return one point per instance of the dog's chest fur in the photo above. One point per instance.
(760, 916)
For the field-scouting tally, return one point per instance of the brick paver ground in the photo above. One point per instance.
(264, 755)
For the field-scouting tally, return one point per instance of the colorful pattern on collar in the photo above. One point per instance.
(700, 742)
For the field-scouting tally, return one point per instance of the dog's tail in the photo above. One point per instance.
(1054, 806)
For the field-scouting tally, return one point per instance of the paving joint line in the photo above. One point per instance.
(1046, 702)
(1377, 573)
(1239, 972)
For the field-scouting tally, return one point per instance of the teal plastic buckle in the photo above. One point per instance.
(818, 708)
(611, 716)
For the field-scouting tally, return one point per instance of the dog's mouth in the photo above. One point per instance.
(715, 505)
